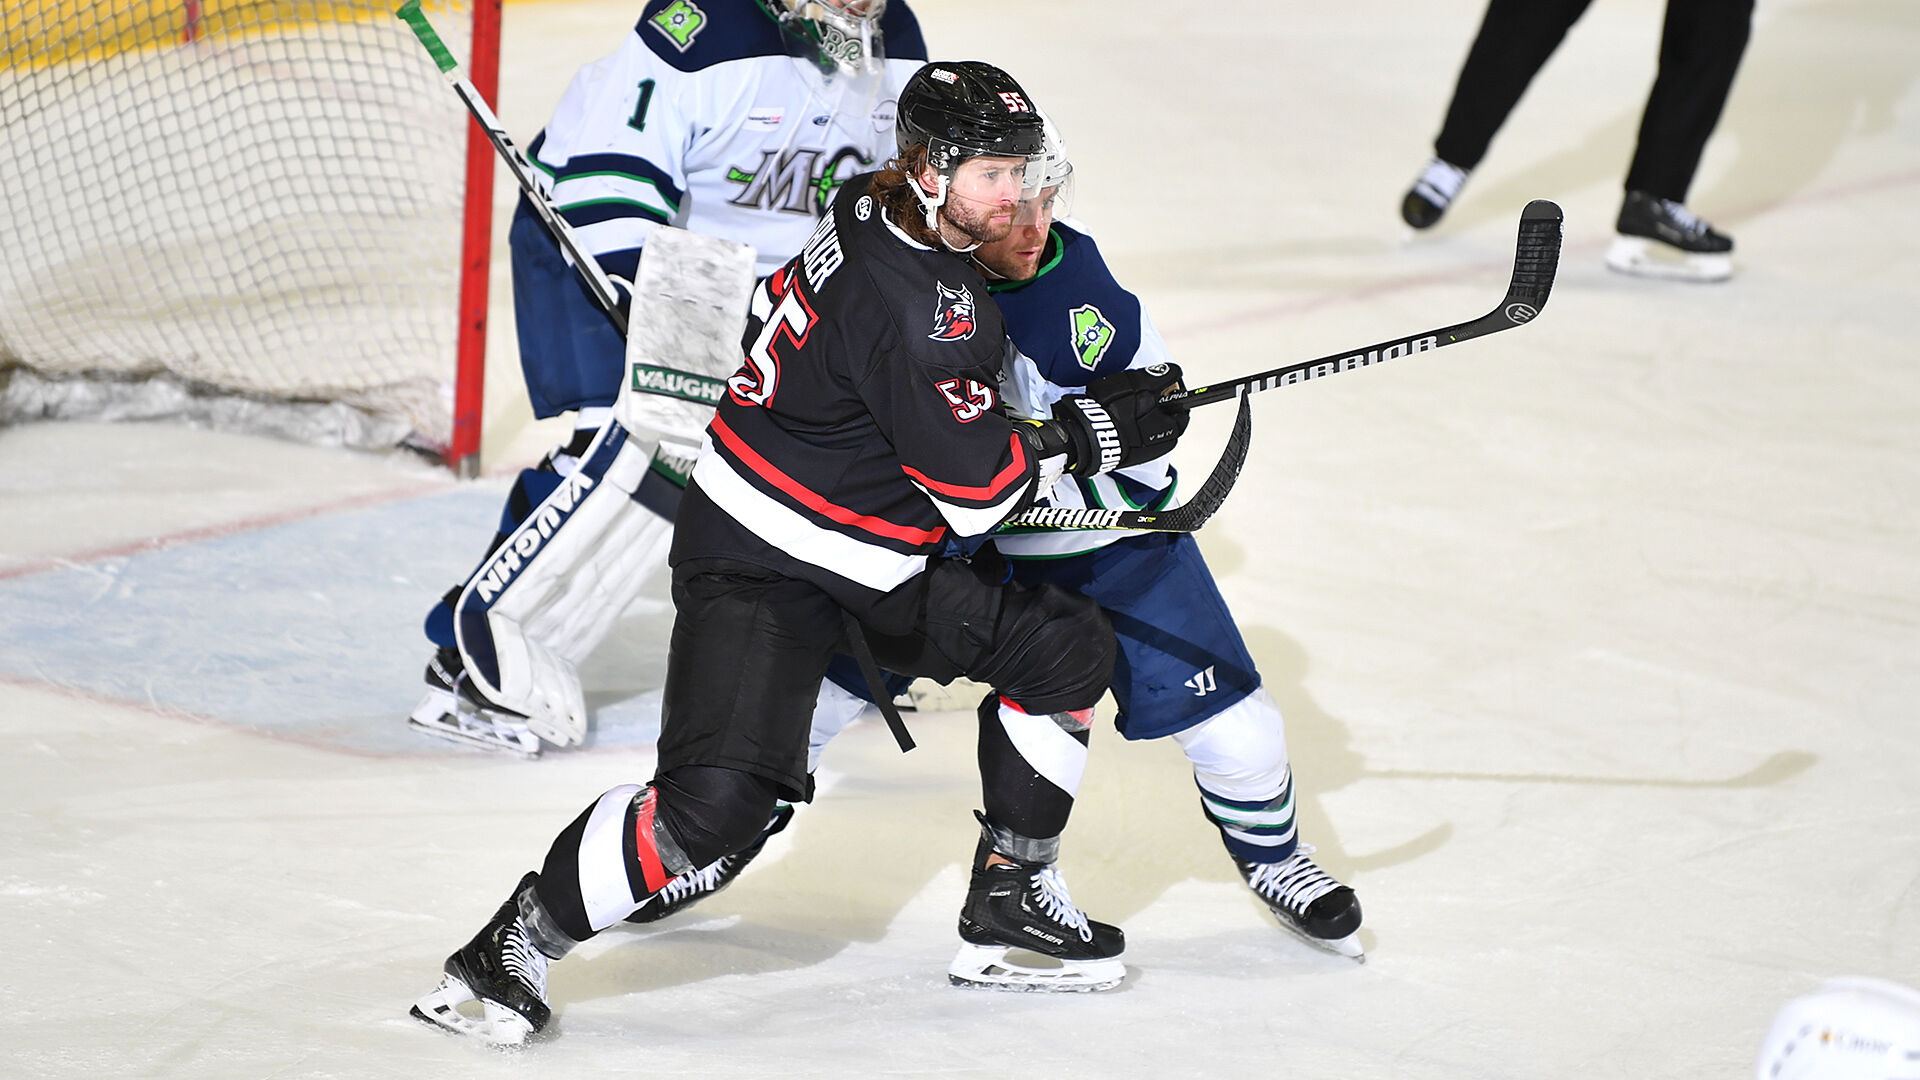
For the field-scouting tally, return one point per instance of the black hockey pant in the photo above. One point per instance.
(749, 649)
(1701, 43)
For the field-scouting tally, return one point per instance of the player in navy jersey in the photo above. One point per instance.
(843, 496)
(733, 118)
(1183, 670)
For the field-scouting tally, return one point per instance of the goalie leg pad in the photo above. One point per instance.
(551, 591)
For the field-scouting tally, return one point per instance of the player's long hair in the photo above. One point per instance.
(889, 187)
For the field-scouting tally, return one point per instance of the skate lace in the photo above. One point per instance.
(522, 960)
(1295, 881)
(693, 883)
(1441, 182)
(1050, 891)
(1683, 218)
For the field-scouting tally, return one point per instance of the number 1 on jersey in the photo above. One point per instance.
(638, 122)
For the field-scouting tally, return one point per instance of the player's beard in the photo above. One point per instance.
(978, 220)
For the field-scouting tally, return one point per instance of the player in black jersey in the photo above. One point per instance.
(858, 461)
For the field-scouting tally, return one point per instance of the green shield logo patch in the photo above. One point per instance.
(1092, 333)
(680, 21)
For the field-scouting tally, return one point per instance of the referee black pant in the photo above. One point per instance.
(1700, 47)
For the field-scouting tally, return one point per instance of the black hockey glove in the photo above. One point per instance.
(1120, 420)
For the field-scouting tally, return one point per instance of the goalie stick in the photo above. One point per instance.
(1536, 257)
(1187, 517)
(597, 279)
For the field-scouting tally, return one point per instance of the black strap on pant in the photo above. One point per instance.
(877, 686)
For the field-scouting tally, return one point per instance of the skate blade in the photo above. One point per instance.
(439, 716)
(1348, 946)
(1646, 258)
(987, 967)
(496, 1026)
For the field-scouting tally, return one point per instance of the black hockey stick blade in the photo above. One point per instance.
(1187, 517)
(1535, 259)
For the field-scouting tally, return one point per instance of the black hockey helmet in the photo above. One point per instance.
(966, 110)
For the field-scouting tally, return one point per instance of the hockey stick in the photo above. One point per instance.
(1536, 257)
(517, 164)
(1187, 517)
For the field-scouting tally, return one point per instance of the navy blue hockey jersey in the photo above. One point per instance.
(1070, 324)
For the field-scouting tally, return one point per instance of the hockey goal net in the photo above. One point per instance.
(253, 200)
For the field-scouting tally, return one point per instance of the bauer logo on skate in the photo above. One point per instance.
(531, 534)
(677, 384)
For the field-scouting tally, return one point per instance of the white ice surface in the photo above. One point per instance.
(1598, 640)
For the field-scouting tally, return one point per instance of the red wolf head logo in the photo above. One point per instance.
(954, 320)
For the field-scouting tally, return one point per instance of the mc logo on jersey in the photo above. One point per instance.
(1092, 333)
(954, 320)
(799, 182)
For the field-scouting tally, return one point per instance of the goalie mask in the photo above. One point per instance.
(965, 111)
(836, 35)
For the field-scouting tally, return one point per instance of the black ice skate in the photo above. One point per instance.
(1431, 194)
(1661, 238)
(448, 713)
(1308, 901)
(495, 988)
(1025, 906)
(696, 885)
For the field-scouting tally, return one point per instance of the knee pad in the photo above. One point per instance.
(1055, 653)
(711, 811)
(1240, 753)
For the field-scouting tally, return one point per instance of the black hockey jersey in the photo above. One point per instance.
(861, 435)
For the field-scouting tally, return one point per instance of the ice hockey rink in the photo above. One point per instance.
(1598, 640)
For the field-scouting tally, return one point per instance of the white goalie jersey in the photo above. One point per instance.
(703, 120)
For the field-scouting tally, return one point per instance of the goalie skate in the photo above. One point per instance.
(444, 714)
(1015, 910)
(1308, 901)
(495, 988)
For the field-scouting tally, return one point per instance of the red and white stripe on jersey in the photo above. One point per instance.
(974, 510)
(876, 567)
